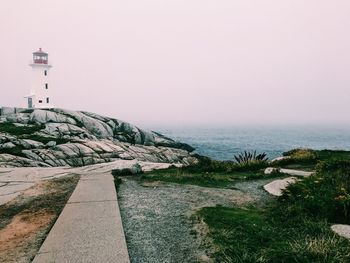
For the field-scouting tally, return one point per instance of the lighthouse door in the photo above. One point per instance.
(30, 103)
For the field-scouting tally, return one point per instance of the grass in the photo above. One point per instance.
(326, 194)
(12, 129)
(255, 235)
(205, 179)
(210, 173)
(293, 228)
(307, 159)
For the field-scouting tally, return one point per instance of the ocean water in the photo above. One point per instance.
(223, 143)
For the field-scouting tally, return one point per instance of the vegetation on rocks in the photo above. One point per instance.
(17, 151)
(80, 138)
(13, 129)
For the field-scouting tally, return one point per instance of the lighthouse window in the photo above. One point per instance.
(40, 101)
(45, 72)
(46, 86)
(47, 100)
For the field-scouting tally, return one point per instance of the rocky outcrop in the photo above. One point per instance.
(57, 137)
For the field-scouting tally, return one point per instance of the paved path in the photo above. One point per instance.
(89, 228)
(13, 181)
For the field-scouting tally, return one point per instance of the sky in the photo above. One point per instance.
(184, 62)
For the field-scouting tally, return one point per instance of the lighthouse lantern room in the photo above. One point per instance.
(40, 89)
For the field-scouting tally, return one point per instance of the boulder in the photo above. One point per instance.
(7, 145)
(293, 172)
(341, 230)
(30, 144)
(280, 158)
(51, 144)
(276, 187)
(46, 116)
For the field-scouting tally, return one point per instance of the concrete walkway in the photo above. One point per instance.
(13, 181)
(89, 228)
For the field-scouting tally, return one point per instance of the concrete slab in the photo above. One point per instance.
(94, 190)
(89, 228)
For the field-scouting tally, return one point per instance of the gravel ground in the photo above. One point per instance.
(156, 217)
(255, 189)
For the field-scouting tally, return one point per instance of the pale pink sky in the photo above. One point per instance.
(184, 61)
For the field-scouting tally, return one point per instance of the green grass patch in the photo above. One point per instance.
(326, 194)
(307, 159)
(255, 235)
(12, 129)
(206, 164)
(206, 179)
(293, 228)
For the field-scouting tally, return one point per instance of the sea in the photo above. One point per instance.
(222, 143)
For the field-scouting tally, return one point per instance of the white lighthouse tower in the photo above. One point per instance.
(39, 96)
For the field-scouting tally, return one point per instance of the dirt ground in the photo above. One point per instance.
(159, 221)
(26, 220)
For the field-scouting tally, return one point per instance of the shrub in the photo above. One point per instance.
(302, 155)
(250, 157)
(303, 158)
(117, 182)
(136, 169)
(206, 164)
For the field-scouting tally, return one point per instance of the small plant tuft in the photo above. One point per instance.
(250, 157)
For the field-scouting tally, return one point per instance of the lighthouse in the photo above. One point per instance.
(40, 90)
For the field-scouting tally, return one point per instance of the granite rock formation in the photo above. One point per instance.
(57, 137)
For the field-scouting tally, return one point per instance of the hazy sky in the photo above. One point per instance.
(184, 61)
